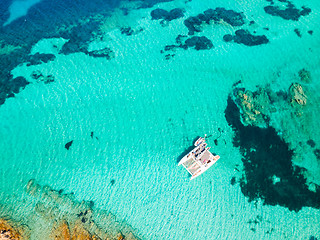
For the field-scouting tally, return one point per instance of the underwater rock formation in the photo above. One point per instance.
(297, 95)
(10, 86)
(79, 37)
(105, 52)
(290, 12)
(75, 220)
(159, 13)
(246, 38)
(198, 43)
(39, 58)
(305, 75)
(130, 31)
(37, 75)
(269, 174)
(216, 16)
(10, 232)
(254, 106)
(68, 144)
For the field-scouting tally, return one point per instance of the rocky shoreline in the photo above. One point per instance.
(59, 216)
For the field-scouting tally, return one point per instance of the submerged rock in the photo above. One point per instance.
(290, 12)
(246, 38)
(269, 174)
(39, 58)
(216, 16)
(167, 15)
(105, 52)
(254, 106)
(305, 75)
(68, 144)
(199, 43)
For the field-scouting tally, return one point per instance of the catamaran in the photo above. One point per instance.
(199, 159)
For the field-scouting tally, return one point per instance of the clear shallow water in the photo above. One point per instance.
(145, 111)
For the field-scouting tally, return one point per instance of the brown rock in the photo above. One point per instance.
(7, 231)
(61, 232)
(297, 94)
(80, 233)
(120, 237)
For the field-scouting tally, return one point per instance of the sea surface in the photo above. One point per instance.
(101, 99)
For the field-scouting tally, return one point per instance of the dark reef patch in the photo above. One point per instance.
(313, 238)
(317, 154)
(198, 43)
(268, 171)
(297, 31)
(105, 52)
(290, 12)
(159, 13)
(246, 38)
(46, 19)
(68, 144)
(150, 3)
(79, 37)
(214, 15)
(311, 143)
(126, 31)
(112, 181)
(39, 58)
(37, 75)
(10, 86)
(130, 31)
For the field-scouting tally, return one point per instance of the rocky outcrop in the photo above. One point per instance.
(297, 95)
(8, 231)
(73, 220)
(254, 106)
(61, 231)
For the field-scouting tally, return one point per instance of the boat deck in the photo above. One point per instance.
(199, 159)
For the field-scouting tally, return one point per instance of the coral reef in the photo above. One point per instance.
(75, 220)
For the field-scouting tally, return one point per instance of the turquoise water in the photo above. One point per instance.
(144, 111)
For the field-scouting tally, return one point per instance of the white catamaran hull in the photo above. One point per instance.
(199, 159)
